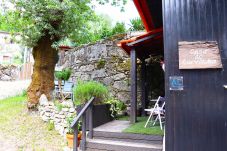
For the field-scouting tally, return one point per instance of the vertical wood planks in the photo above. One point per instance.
(196, 117)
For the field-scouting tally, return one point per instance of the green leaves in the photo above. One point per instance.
(64, 74)
(136, 24)
(57, 18)
(84, 90)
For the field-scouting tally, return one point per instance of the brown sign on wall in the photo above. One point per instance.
(199, 55)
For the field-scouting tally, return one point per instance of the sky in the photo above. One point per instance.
(116, 15)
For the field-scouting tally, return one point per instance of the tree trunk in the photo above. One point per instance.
(43, 73)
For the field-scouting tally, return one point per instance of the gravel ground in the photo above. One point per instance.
(12, 88)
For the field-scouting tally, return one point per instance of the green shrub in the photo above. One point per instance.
(87, 89)
(136, 24)
(50, 126)
(58, 105)
(24, 93)
(69, 121)
(119, 28)
(64, 74)
(116, 106)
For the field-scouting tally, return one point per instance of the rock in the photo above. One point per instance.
(98, 74)
(61, 113)
(45, 118)
(72, 110)
(48, 114)
(123, 96)
(67, 103)
(5, 78)
(121, 85)
(119, 76)
(43, 100)
(61, 131)
(57, 127)
(57, 120)
(51, 103)
(87, 68)
(62, 116)
(65, 109)
(41, 113)
(107, 80)
(85, 77)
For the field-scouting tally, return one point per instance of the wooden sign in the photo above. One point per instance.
(199, 55)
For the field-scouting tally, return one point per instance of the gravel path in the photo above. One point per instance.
(12, 88)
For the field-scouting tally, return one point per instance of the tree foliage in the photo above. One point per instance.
(136, 24)
(73, 19)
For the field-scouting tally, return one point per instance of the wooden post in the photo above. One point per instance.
(75, 141)
(90, 121)
(133, 85)
(143, 85)
(83, 143)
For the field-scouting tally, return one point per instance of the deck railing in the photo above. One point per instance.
(86, 112)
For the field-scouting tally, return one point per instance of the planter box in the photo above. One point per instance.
(101, 114)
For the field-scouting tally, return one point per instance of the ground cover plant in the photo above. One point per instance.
(21, 130)
(138, 128)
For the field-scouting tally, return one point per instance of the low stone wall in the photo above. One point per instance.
(49, 112)
(104, 62)
(8, 73)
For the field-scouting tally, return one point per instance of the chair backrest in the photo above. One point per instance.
(159, 102)
(68, 86)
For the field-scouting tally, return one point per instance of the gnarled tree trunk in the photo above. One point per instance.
(43, 73)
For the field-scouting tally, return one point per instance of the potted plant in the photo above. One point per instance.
(63, 75)
(101, 110)
(70, 133)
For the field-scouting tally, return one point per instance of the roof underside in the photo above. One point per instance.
(150, 43)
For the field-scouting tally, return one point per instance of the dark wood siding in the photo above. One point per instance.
(196, 116)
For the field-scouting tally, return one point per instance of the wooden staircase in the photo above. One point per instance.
(110, 136)
(117, 141)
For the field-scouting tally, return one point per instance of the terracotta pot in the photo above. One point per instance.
(70, 139)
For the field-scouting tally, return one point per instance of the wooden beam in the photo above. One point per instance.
(143, 86)
(133, 86)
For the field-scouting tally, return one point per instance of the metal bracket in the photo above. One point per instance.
(225, 86)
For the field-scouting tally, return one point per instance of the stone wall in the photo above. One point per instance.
(104, 62)
(8, 73)
(50, 112)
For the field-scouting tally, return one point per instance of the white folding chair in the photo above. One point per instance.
(160, 115)
(158, 111)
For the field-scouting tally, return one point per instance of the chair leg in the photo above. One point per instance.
(160, 121)
(148, 120)
(155, 120)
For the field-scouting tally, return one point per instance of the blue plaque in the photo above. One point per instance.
(176, 83)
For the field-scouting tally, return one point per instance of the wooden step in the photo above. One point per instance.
(128, 137)
(113, 145)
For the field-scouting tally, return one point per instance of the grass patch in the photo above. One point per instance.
(138, 128)
(24, 130)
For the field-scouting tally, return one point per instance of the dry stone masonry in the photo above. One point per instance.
(8, 73)
(104, 62)
(49, 112)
